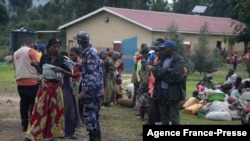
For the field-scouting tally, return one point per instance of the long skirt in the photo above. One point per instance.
(71, 110)
(47, 119)
(109, 95)
(76, 86)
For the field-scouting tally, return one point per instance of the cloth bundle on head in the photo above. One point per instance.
(209, 76)
(169, 44)
(41, 47)
(54, 41)
(115, 55)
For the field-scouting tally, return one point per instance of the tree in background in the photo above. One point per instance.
(247, 57)
(4, 19)
(160, 5)
(57, 12)
(173, 35)
(205, 59)
(217, 8)
(241, 10)
(184, 6)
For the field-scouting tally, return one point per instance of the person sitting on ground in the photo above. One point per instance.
(231, 77)
(246, 86)
(236, 84)
(209, 84)
(237, 92)
(206, 83)
(229, 81)
(242, 88)
(200, 84)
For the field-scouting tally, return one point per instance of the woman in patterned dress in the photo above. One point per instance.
(47, 120)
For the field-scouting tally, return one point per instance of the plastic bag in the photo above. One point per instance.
(219, 115)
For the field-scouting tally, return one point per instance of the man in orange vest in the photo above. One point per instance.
(26, 78)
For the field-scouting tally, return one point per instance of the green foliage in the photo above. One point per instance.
(4, 35)
(21, 24)
(39, 24)
(35, 15)
(140, 4)
(4, 51)
(190, 66)
(7, 81)
(248, 63)
(218, 8)
(173, 34)
(21, 3)
(4, 19)
(159, 5)
(204, 59)
(241, 10)
(248, 68)
(183, 6)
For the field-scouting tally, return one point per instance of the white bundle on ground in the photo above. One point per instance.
(218, 105)
(219, 115)
(219, 110)
(129, 90)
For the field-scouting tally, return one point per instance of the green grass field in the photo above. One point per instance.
(122, 121)
(7, 79)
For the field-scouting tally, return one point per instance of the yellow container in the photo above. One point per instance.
(189, 102)
(193, 109)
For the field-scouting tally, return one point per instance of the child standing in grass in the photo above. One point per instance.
(144, 105)
(143, 88)
(118, 94)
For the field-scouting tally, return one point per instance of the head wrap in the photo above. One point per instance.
(74, 50)
(54, 41)
(102, 52)
(144, 49)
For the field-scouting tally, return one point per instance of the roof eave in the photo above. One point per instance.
(48, 31)
(99, 10)
(80, 19)
(134, 22)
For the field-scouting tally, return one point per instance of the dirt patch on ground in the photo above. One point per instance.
(10, 127)
(113, 128)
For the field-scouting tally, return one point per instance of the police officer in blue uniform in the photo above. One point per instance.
(91, 85)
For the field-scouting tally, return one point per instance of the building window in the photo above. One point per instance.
(219, 45)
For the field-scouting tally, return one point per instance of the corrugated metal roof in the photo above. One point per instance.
(160, 21)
